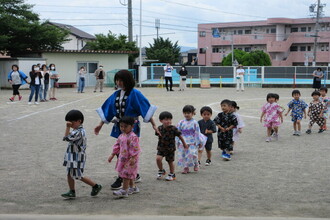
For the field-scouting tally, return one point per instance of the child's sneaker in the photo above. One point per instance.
(121, 193)
(208, 162)
(69, 195)
(309, 131)
(20, 98)
(161, 174)
(196, 167)
(96, 189)
(133, 190)
(295, 133)
(321, 130)
(11, 99)
(226, 157)
(268, 139)
(117, 184)
(170, 177)
(298, 133)
(185, 170)
(231, 152)
(29, 103)
(276, 136)
(138, 178)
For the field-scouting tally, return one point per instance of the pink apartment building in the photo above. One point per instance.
(287, 41)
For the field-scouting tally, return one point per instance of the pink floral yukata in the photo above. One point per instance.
(127, 146)
(272, 114)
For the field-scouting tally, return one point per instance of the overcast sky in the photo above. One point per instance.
(178, 18)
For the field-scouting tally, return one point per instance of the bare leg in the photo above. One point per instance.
(276, 130)
(126, 183)
(208, 154)
(200, 154)
(298, 125)
(269, 130)
(295, 125)
(159, 162)
(171, 165)
(88, 181)
(70, 182)
(131, 183)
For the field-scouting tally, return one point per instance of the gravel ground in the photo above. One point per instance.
(284, 178)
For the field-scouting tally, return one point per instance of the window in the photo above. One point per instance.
(309, 29)
(303, 29)
(267, 31)
(202, 50)
(247, 31)
(293, 48)
(294, 29)
(309, 48)
(303, 48)
(216, 50)
(202, 33)
(327, 48)
(215, 32)
(247, 49)
(240, 32)
(273, 30)
(322, 48)
(234, 31)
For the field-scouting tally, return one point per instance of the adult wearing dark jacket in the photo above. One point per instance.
(35, 83)
(16, 78)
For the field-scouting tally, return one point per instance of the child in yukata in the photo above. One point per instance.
(240, 124)
(271, 116)
(128, 149)
(226, 122)
(315, 112)
(194, 139)
(75, 156)
(326, 102)
(298, 108)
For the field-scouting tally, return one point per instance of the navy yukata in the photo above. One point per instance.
(225, 139)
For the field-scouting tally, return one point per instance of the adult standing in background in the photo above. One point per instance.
(183, 77)
(54, 77)
(45, 76)
(318, 75)
(16, 78)
(240, 78)
(168, 76)
(100, 75)
(81, 83)
(35, 76)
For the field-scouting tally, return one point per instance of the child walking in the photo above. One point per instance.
(326, 102)
(194, 139)
(272, 116)
(298, 108)
(75, 156)
(166, 145)
(315, 112)
(207, 127)
(225, 121)
(128, 148)
(240, 124)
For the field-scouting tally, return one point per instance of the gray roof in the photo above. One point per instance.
(74, 31)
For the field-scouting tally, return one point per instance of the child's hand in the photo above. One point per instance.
(207, 131)
(240, 130)
(132, 161)
(223, 129)
(260, 120)
(185, 146)
(110, 158)
(97, 129)
(286, 114)
(68, 124)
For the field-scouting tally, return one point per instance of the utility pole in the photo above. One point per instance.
(130, 21)
(157, 25)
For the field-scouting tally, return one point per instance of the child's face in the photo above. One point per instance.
(323, 93)
(120, 83)
(296, 96)
(125, 128)
(166, 122)
(225, 107)
(188, 115)
(206, 115)
(271, 100)
(75, 124)
(316, 97)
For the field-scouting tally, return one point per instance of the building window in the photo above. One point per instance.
(309, 48)
(303, 48)
(202, 33)
(303, 29)
(322, 48)
(293, 48)
(309, 29)
(327, 48)
(267, 31)
(273, 30)
(240, 32)
(247, 31)
(202, 50)
(216, 50)
(294, 29)
(234, 31)
(247, 49)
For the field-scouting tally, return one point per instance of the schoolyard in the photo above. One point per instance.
(284, 178)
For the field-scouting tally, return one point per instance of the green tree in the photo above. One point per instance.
(164, 51)
(21, 30)
(254, 58)
(112, 42)
(238, 55)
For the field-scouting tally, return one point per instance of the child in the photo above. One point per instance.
(298, 108)
(75, 156)
(326, 101)
(193, 138)
(315, 112)
(240, 124)
(272, 116)
(128, 148)
(54, 77)
(225, 121)
(166, 145)
(277, 98)
(207, 127)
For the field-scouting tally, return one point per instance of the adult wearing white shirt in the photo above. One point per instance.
(240, 78)
(168, 76)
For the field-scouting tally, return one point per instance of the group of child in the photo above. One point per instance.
(272, 112)
(189, 138)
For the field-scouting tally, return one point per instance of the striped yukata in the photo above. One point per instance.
(75, 155)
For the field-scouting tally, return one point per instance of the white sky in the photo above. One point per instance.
(178, 18)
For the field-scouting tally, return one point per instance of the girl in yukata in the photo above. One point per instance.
(195, 140)
(240, 124)
(326, 102)
(315, 112)
(128, 149)
(271, 116)
(126, 101)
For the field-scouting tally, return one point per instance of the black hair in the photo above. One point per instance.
(324, 89)
(32, 68)
(296, 91)
(127, 120)
(74, 115)
(165, 115)
(316, 93)
(206, 109)
(319, 68)
(14, 66)
(44, 65)
(127, 78)
(50, 66)
(226, 102)
(188, 109)
(277, 97)
(270, 95)
(234, 104)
